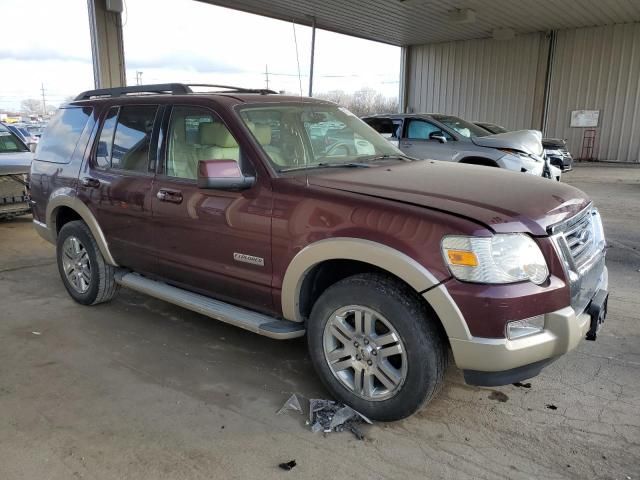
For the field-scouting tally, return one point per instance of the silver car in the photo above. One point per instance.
(446, 137)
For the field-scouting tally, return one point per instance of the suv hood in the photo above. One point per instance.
(506, 202)
(528, 141)
(15, 163)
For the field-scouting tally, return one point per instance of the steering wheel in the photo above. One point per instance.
(332, 150)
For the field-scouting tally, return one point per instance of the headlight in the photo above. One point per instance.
(502, 258)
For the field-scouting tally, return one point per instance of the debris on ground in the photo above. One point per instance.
(499, 396)
(288, 465)
(293, 403)
(37, 333)
(522, 385)
(327, 416)
(551, 406)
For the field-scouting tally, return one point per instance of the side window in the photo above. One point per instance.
(103, 151)
(384, 126)
(59, 139)
(197, 134)
(132, 138)
(420, 130)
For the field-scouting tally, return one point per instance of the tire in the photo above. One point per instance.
(100, 285)
(419, 334)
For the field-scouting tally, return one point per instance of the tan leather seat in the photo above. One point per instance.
(217, 143)
(182, 161)
(263, 134)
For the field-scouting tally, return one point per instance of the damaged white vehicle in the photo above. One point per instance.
(449, 138)
(15, 162)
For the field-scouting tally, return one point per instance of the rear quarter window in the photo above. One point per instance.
(61, 136)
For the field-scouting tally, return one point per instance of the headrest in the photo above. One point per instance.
(216, 134)
(262, 133)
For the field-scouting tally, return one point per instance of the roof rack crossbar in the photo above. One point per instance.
(173, 88)
(231, 88)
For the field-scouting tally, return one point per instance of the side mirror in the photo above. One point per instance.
(439, 136)
(32, 146)
(222, 175)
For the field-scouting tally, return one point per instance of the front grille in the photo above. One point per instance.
(583, 237)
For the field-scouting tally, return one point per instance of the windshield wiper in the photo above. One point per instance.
(375, 158)
(327, 165)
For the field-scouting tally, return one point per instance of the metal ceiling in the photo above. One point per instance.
(415, 22)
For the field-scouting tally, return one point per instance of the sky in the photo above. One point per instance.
(47, 43)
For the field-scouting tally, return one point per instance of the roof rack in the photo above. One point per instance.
(228, 88)
(164, 88)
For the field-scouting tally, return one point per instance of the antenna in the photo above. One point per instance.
(295, 39)
(44, 101)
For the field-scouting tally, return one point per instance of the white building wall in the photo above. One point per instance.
(484, 80)
(598, 68)
(594, 68)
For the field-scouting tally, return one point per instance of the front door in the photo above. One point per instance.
(210, 241)
(116, 184)
(417, 141)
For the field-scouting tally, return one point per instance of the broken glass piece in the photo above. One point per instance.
(293, 403)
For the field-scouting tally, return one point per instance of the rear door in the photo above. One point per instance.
(387, 127)
(215, 242)
(117, 183)
(416, 141)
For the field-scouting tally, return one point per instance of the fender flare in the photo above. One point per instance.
(346, 248)
(66, 198)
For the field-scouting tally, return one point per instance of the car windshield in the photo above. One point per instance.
(493, 128)
(307, 136)
(9, 143)
(464, 128)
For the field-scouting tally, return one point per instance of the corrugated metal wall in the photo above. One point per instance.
(598, 69)
(484, 80)
(595, 68)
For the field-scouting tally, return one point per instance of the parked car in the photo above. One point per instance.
(15, 162)
(555, 149)
(385, 263)
(449, 138)
(23, 134)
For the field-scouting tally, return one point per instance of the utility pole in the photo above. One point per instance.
(44, 102)
(266, 75)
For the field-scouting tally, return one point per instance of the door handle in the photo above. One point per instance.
(171, 196)
(90, 182)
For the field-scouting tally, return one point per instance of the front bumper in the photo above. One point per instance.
(499, 361)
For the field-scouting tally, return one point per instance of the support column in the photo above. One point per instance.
(107, 48)
(404, 79)
(313, 52)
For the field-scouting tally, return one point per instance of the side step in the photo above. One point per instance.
(238, 316)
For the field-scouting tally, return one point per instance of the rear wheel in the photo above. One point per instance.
(84, 272)
(376, 347)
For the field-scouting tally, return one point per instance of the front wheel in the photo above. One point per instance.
(376, 346)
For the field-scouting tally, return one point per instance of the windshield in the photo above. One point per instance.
(9, 143)
(493, 128)
(464, 128)
(315, 135)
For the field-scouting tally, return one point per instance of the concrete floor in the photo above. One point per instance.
(144, 390)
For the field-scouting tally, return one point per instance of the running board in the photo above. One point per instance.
(238, 316)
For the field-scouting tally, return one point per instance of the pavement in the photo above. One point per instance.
(141, 389)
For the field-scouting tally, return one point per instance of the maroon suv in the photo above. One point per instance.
(289, 216)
